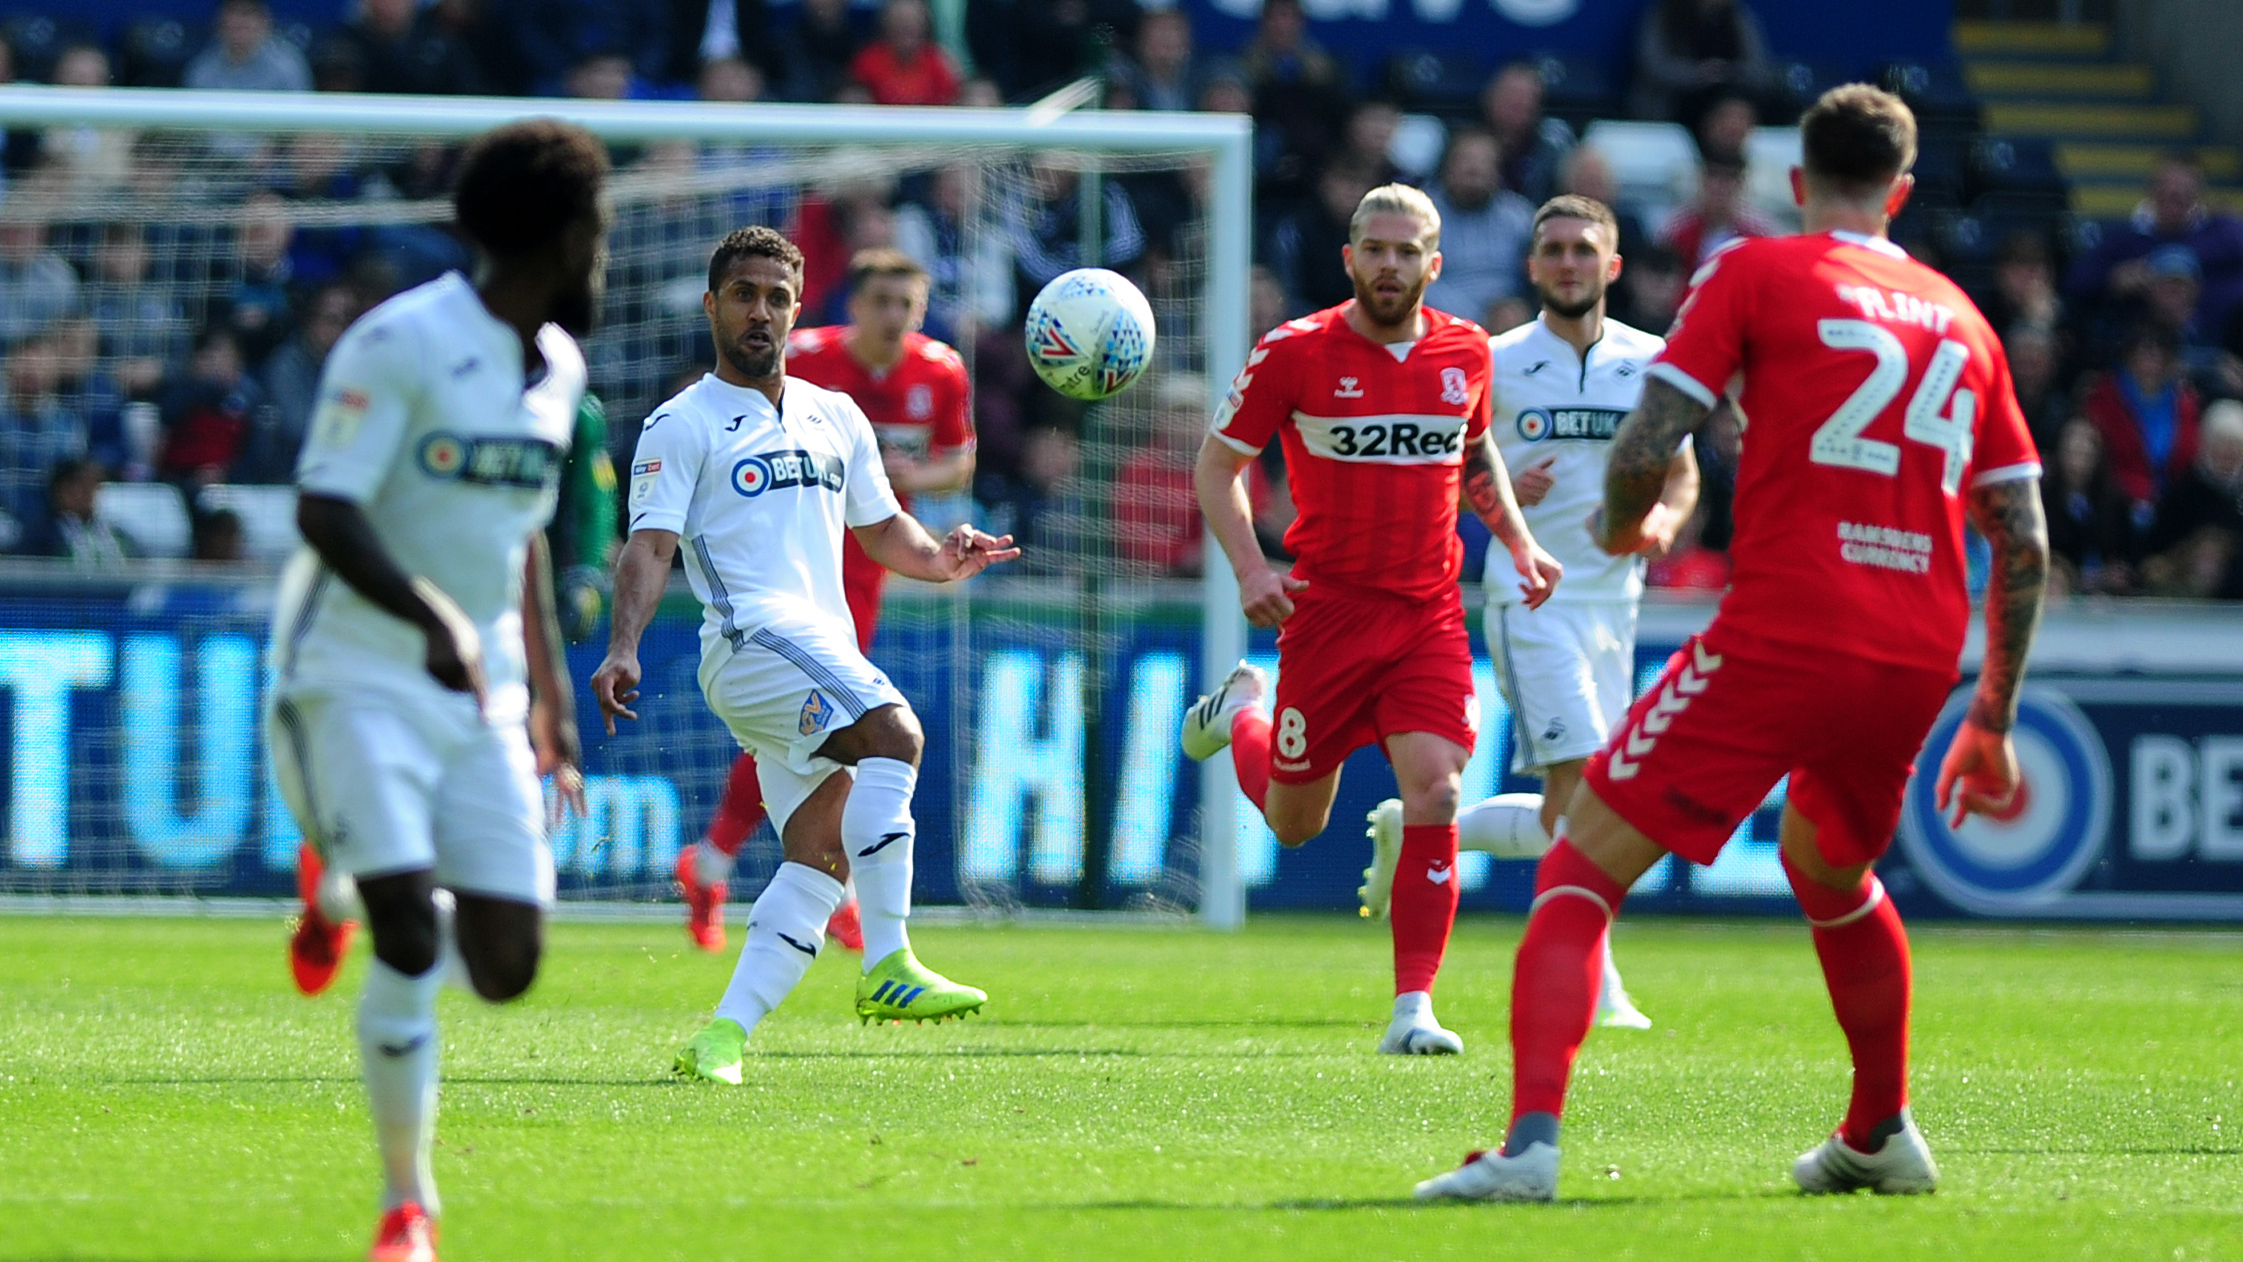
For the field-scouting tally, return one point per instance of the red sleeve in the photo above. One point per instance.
(1707, 344)
(2003, 449)
(953, 428)
(1261, 395)
(1483, 414)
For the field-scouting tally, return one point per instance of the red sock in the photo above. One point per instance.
(1864, 954)
(1250, 755)
(1554, 982)
(1423, 905)
(740, 809)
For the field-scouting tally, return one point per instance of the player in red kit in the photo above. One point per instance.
(916, 393)
(1881, 416)
(1382, 406)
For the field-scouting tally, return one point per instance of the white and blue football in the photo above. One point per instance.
(1090, 334)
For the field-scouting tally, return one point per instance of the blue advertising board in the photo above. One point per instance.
(135, 763)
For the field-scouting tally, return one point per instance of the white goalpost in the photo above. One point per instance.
(193, 157)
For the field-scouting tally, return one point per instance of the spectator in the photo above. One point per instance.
(2170, 302)
(552, 38)
(965, 294)
(1588, 173)
(92, 159)
(317, 168)
(36, 286)
(1691, 565)
(141, 323)
(706, 31)
(2146, 412)
(1506, 314)
(1304, 250)
(1656, 293)
(1534, 144)
(2116, 271)
(1369, 141)
(218, 538)
(256, 305)
(2208, 495)
(729, 79)
(1162, 74)
(2032, 353)
(87, 390)
(1041, 506)
(19, 148)
(1299, 94)
(209, 414)
(1156, 511)
(71, 530)
(1484, 228)
(1267, 303)
(2091, 526)
(980, 94)
(1726, 126)
(247, 56)
(291, 381)
(1689, 51)
(600, 77)
(905, 66)
(2025, 285)
(1046, 233)
(818, 48)
(402, 47)
(1716, 214)
(37, 431)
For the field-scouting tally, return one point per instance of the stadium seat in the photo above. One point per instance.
(1655, 165)
(1417, 145)
(2018, 165)
(1442, 83)
(1576, 89)
(150, 514)
(37, 41)
(1770, 153)
(1936, 90)
(156, 52)
(268, 517)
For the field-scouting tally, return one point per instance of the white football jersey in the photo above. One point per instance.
(425, 421)
(1549, 401)
(759, 496)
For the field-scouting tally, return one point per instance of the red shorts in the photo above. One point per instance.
(1733, 713)
(1356, 668)
(861, 580)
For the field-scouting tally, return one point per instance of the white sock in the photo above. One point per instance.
(450, 964)
(1414, 1007)
(876, 828)
(397, 1042)
(1610, 989)
(1508, 826)
(711, 866)
(786, 930)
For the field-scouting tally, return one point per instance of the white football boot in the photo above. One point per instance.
(1207, 725)
(1385, 832)
(1414, 1030)
(1491, 1176)
(1902, 1167)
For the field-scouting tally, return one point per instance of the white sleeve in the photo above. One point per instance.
(868, 500)
(367, 393)
(665, 469)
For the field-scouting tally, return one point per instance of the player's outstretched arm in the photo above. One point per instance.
(1636, 473)
(553, 734)
(1488, 492)
(641, 572)
(903, 545)
(338, 531)
(1264, 594)
(1981, 762)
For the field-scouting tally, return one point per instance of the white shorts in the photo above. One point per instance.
(382, 783)
(1568, 672)
(784, 689)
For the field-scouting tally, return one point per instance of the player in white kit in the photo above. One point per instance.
(419, 686)
(756, 476)
(1562, 384)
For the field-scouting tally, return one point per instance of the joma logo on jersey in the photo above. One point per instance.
(526, 463)
(1593, 424)
(778, 470)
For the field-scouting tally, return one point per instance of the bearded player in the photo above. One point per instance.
(1882, 416)
(1562, 383)
(916, 393)
(1382, 406)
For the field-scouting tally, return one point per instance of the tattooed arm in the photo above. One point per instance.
(1637, 472)
(1982, 760)
(1487, 491)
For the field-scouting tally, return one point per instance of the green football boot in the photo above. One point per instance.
(714, 1053)
(900, 988)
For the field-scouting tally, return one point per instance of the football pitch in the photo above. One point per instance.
(1131, 1093)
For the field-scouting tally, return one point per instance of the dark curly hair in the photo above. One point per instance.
(753, 242)
(521, 185)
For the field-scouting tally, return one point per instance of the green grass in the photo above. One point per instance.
(1132, 1094)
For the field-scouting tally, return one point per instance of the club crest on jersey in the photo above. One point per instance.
(1453, 388)
(817, 712)
(919, 402)
(524, 463)
(778, 470)
(1349, 388)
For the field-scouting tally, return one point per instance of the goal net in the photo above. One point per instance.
(185, 256)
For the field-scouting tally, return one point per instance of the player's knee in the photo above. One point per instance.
(1297, 832)
(508, 975)
(900, 736)
(403, 940)
(1436, 802)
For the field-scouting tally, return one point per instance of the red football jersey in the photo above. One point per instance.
(922, 406)
(1875, 395)
(1374, 444)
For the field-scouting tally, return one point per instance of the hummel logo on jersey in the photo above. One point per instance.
(803, 947)
(1674, 697)
(1438, 873)
(886, 840)
(1349, 388)
(406, 1048)
(779, 470)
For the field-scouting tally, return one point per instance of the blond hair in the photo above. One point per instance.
(1397, 199)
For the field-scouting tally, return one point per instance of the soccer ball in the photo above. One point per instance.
(1090, 334)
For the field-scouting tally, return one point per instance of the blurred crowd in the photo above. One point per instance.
(2126, 339)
